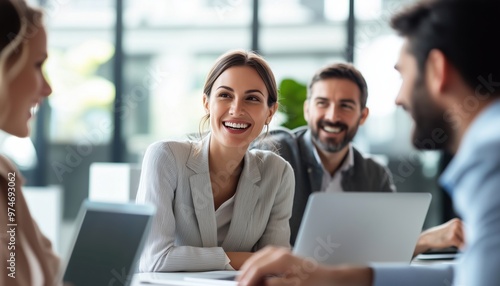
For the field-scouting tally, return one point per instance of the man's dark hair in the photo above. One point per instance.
(342, 71)
(465, 31)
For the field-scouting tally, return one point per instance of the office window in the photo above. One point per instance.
(169, 48)
(79, 118)
(79, 70)
(302, 40)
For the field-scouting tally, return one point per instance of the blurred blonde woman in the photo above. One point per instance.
(26, 254)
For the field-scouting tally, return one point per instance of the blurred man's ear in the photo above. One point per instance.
(436, 73)
(364, 115)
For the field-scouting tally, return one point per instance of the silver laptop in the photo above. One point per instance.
(361, 228)
(108, 243)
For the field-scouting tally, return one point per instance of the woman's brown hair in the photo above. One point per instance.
(237, 58)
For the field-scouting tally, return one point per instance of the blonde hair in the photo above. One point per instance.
(19, 23)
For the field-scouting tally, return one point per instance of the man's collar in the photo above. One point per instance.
(479, 128)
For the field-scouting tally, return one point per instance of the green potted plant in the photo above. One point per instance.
(292, 97)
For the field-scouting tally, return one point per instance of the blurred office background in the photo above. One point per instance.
(126, 73)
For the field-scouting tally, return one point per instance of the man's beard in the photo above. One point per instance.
(431, 131)
(330, 144)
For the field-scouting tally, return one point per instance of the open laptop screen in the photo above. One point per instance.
(108, 244)
(361, 228)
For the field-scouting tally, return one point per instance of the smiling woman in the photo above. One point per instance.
(262, 78)
(26, 254)
(217, 201)
(23, 82)
(26, 84)
(238, 107)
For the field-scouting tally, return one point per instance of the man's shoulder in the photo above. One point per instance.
(367, 164)
(281, 140)
(368, 175)
(285, 142)
(283, 134)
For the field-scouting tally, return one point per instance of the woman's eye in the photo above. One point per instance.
(254, 98)
(225, 95)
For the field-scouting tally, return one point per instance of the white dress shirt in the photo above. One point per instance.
(331, 183)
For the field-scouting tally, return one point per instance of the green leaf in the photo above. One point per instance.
(292, 97)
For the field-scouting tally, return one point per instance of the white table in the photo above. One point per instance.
(175, 278)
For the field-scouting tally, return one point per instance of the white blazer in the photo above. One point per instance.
(175, 178)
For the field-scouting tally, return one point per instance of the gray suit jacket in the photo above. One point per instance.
(176, 179)
(296, 147)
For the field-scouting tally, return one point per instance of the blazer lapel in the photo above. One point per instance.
(314, 169)
(246, 197)
(201, 193)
